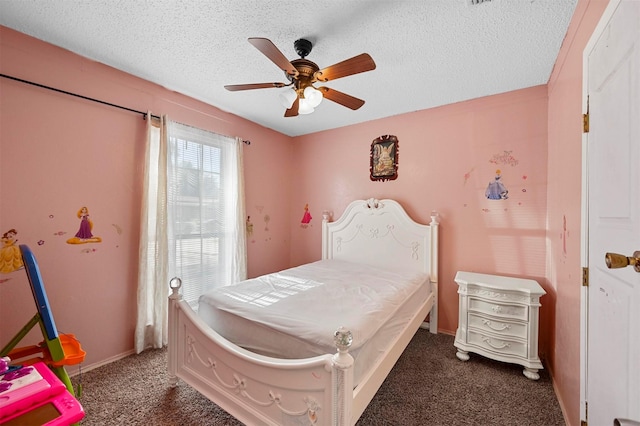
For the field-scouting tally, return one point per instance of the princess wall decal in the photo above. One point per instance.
(84, 234)
(249, 227)
(496, 189)
(10, 257)
(306, 217)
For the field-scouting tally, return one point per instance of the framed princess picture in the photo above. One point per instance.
(384, 158)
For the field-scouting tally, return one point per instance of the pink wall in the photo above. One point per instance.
(534, 234)
(564, 199)
(58, 153)
(447, 157)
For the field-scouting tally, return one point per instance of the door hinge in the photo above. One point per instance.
(585, 119)
(586, 414)
(585, 277)
(585, 123)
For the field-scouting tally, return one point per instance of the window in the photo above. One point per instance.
(202, 199)
(192, 221)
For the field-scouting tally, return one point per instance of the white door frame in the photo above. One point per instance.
(584, 247)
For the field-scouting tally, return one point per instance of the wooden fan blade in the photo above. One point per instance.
(236, 87)
(341, 98)
(270, 50)
(355, 65)
(293, 111)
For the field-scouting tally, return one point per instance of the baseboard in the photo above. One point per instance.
(76, 369)
(425, 325)
(563, 408)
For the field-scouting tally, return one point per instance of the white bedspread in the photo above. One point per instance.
(308, 303)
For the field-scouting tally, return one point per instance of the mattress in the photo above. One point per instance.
(294, 313)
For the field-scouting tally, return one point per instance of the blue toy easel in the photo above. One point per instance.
(55, 351)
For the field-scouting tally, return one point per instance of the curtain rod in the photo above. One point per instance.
(144, 114)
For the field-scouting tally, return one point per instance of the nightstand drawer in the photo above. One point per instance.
(505, 328)
(511, 311)
(503, 346)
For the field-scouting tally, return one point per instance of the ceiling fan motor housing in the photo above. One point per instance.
(303, 47)
(306, 70)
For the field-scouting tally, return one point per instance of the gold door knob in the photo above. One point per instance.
(615, 260)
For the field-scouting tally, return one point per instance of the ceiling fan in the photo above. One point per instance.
(302, 74)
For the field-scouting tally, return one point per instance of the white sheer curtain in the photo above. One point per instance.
(151, 325)
(198, 219)
(238, 210)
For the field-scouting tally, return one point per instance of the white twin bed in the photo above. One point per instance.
(311, 345)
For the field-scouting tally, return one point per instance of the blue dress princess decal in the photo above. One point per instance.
(496, 189)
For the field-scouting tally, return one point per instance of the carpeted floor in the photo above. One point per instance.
(427, 386)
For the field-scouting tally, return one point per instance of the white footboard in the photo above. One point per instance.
(257, 389)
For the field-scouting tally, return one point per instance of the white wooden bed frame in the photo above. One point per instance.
(261, 390)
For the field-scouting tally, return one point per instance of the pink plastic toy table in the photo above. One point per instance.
(34, 395)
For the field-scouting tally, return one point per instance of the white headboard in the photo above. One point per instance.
(381, 233)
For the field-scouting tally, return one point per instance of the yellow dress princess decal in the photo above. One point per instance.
(249, 227)
(10, 257)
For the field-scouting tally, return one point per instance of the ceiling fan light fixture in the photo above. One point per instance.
(287, 97)
(305, 107)
(313, 96)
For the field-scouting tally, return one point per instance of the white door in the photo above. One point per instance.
(613, 187)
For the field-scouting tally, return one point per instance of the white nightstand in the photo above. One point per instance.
(498, 318)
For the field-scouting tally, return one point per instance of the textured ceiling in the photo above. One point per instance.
(428, 52)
